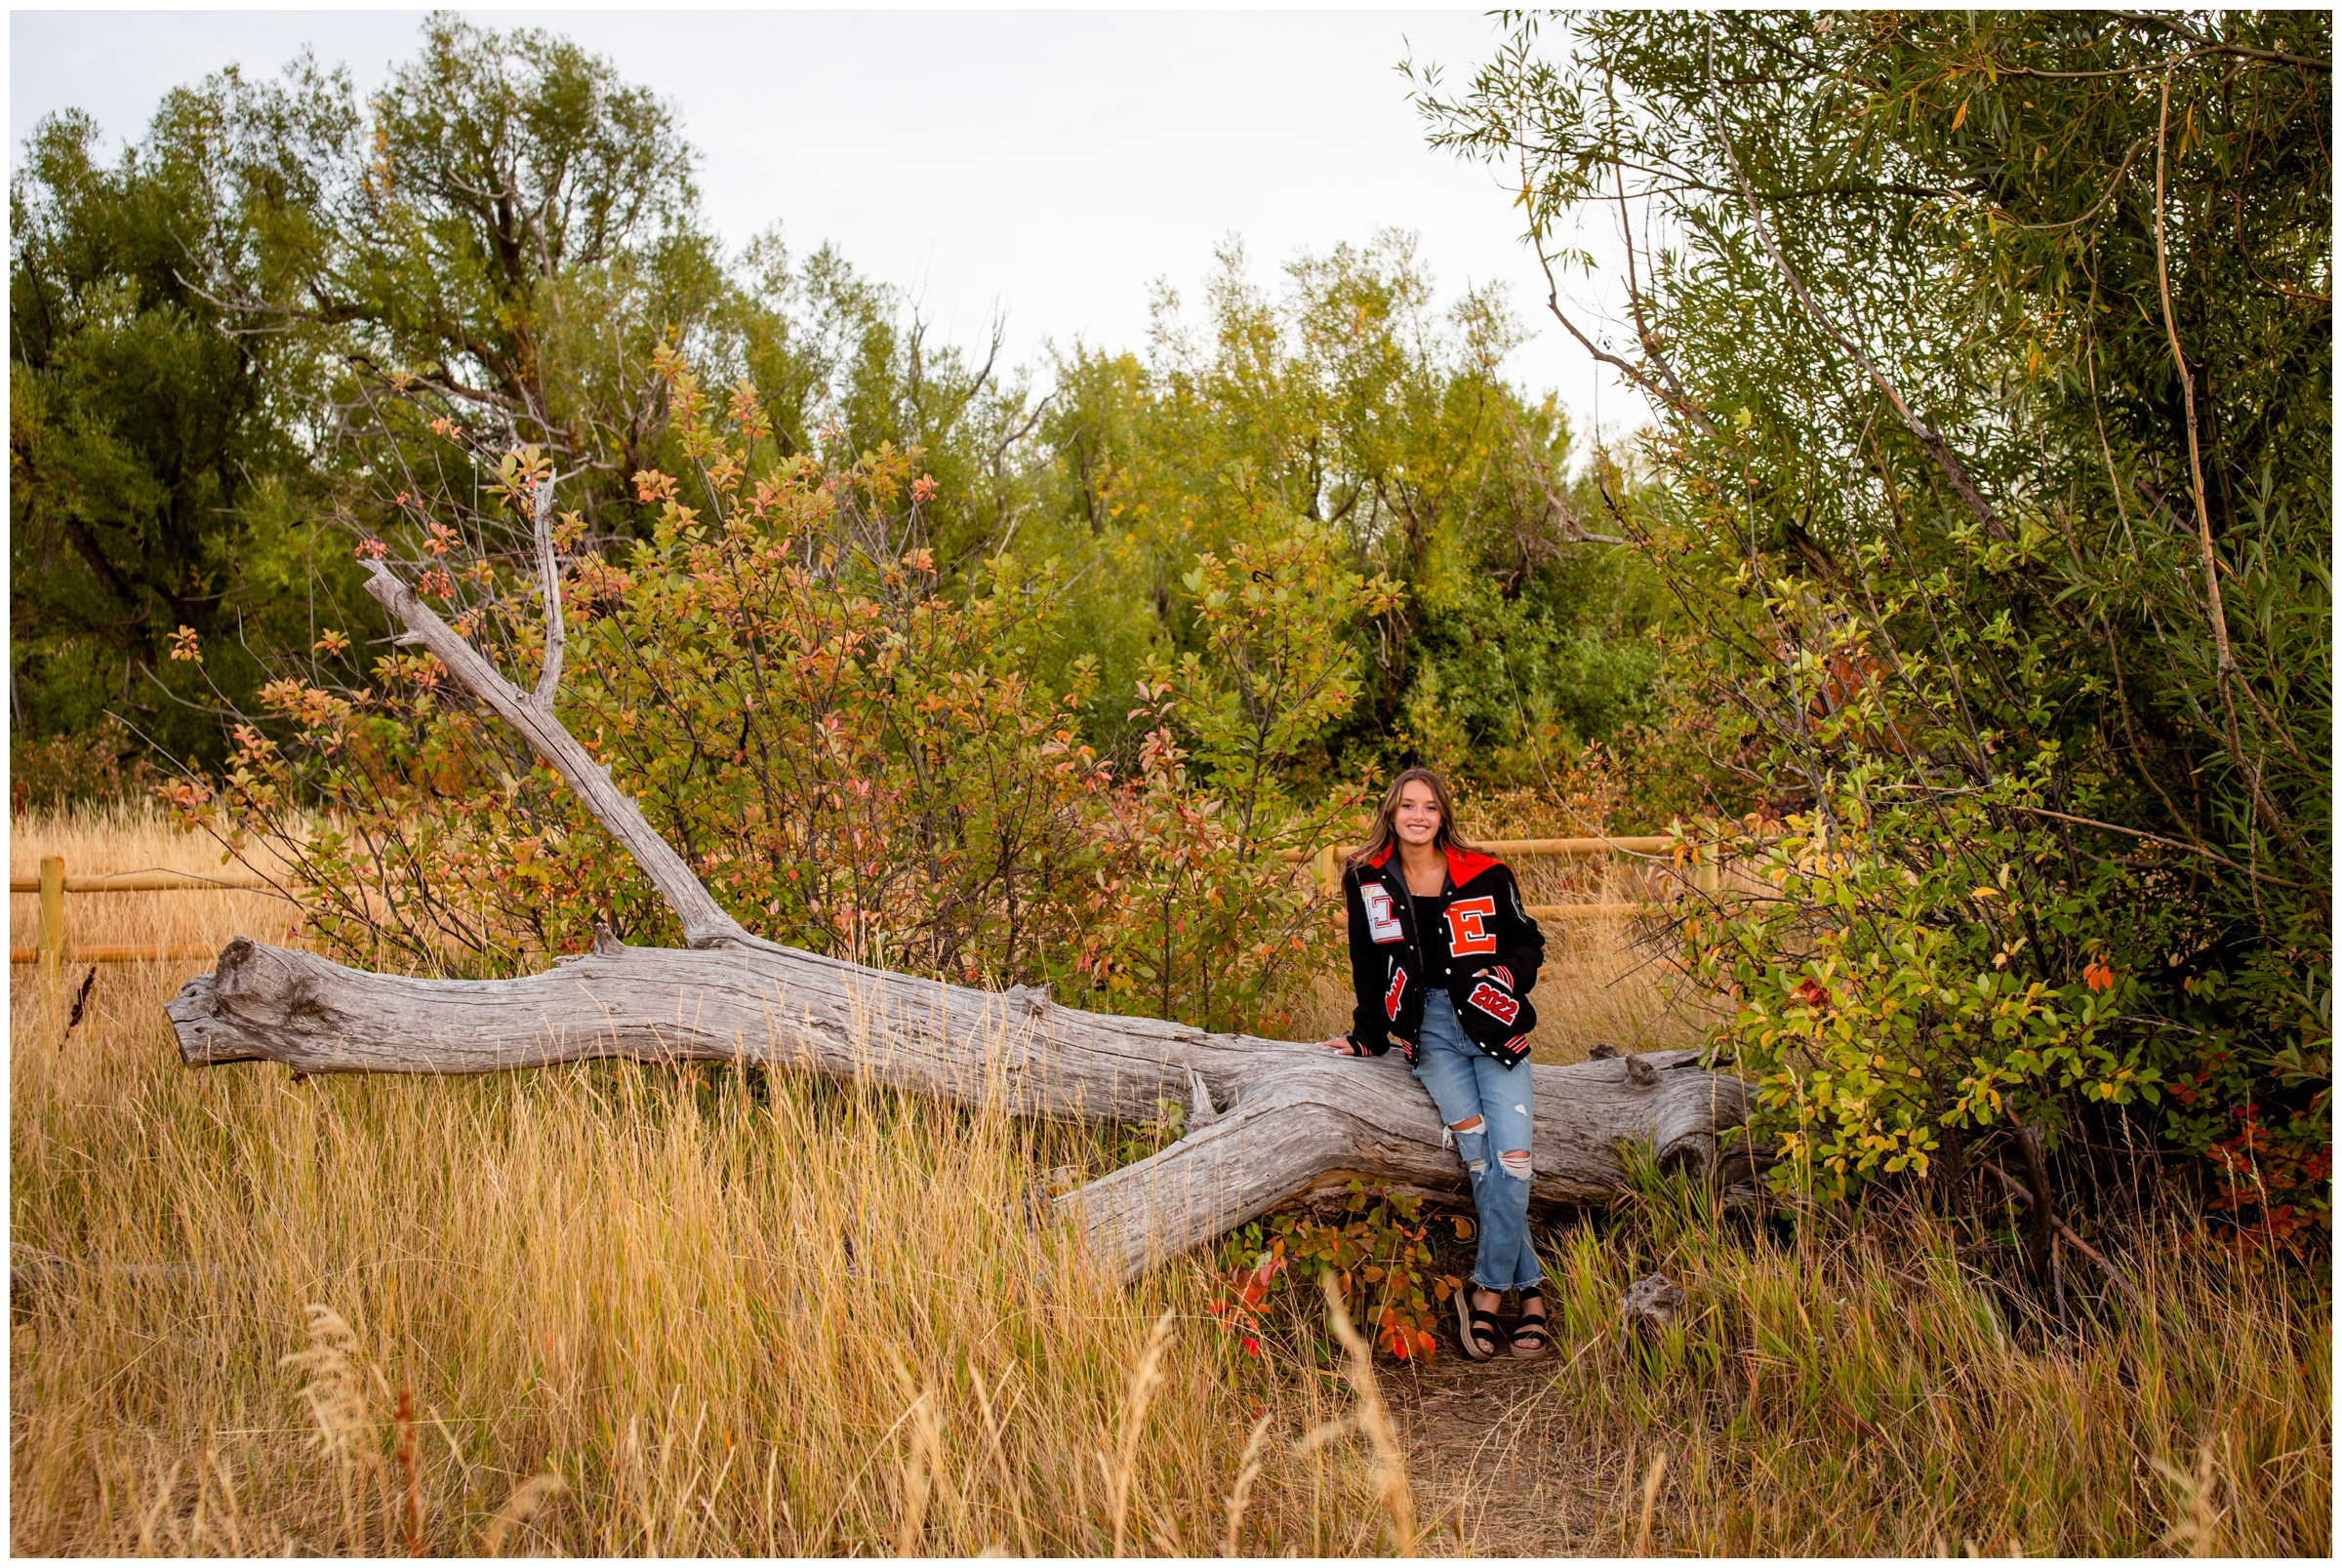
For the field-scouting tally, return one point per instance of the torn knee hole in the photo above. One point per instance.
(1516, 1161)
(1470, 1124)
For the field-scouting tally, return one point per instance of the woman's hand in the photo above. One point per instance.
(1340, 1043)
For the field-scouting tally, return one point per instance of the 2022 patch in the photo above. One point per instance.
(1495, 1003)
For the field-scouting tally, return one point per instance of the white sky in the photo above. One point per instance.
(1044, 164)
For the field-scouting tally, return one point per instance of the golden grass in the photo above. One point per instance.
(725, 1312)
(729, 1315)
(633, 1310)
(133, 838)
(1873, 1394)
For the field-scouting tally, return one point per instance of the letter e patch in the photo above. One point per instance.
(1468, 926)
(1381, 920)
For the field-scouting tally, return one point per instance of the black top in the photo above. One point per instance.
(1431, 927)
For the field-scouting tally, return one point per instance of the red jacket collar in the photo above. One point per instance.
(1462, 864)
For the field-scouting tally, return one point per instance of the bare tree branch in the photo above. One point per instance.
(2214, 46)
(2225, 669)
(1565, 519)
(548, 573)
(1954, 472)
(1657, 393)
(704, 923)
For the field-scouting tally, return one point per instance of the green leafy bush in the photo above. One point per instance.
(1993, 363)
(96, 767)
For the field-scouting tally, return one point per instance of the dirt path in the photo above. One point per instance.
(1495, 1469)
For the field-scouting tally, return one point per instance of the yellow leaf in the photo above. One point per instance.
(1985, 892)
(1960, 114)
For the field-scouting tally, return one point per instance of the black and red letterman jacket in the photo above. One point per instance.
(1493, 947)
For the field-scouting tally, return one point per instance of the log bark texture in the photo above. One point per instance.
(1268, 1121)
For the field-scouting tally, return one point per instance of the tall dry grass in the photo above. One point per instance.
(132, 837)
(616, 1309)
(723, 1313)
(1883, 1392)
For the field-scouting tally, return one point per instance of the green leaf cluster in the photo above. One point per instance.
(1347, 410)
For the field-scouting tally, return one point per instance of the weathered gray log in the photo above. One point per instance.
(30, 1269)
(704, 923)
(1268, 1121)
(1313, 1120)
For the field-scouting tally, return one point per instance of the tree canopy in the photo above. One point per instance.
(499, 241)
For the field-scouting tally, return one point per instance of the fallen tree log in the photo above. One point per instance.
(1267, 1121)
(31, 1269)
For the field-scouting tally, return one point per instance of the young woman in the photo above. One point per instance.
(1442, 956)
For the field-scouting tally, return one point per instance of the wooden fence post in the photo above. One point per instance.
(52, 933)
(1329, 870)
(1704, 872)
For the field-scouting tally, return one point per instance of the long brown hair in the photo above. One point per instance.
(1384, 835)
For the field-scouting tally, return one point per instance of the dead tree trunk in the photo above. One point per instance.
(1268, 1121)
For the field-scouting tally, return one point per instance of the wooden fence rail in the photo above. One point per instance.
(1327, 865)
(51, 950)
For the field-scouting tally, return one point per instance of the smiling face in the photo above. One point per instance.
(1416, 819)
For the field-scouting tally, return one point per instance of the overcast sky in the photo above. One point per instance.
(1045, 165)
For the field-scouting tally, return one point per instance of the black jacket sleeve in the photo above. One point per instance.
(1520, 946)
(1369, 1029)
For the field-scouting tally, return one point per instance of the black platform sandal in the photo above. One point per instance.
(1477, 1326)
(1530, 1336)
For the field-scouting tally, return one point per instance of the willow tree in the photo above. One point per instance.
(1991, 355)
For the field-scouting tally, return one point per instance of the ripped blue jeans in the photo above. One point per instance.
(1465, 1085)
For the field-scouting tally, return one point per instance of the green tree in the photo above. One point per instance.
(244, 344)
(1349, 402)
(504, 235)
(1995, 354)
(499, 236)
(156, 471)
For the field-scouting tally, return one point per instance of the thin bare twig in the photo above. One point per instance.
(1658, 394)
(2106, 1265)
(2216, 46)
(2111, 186)
(1955, 473)
(2158, 839)
(1565, 517)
